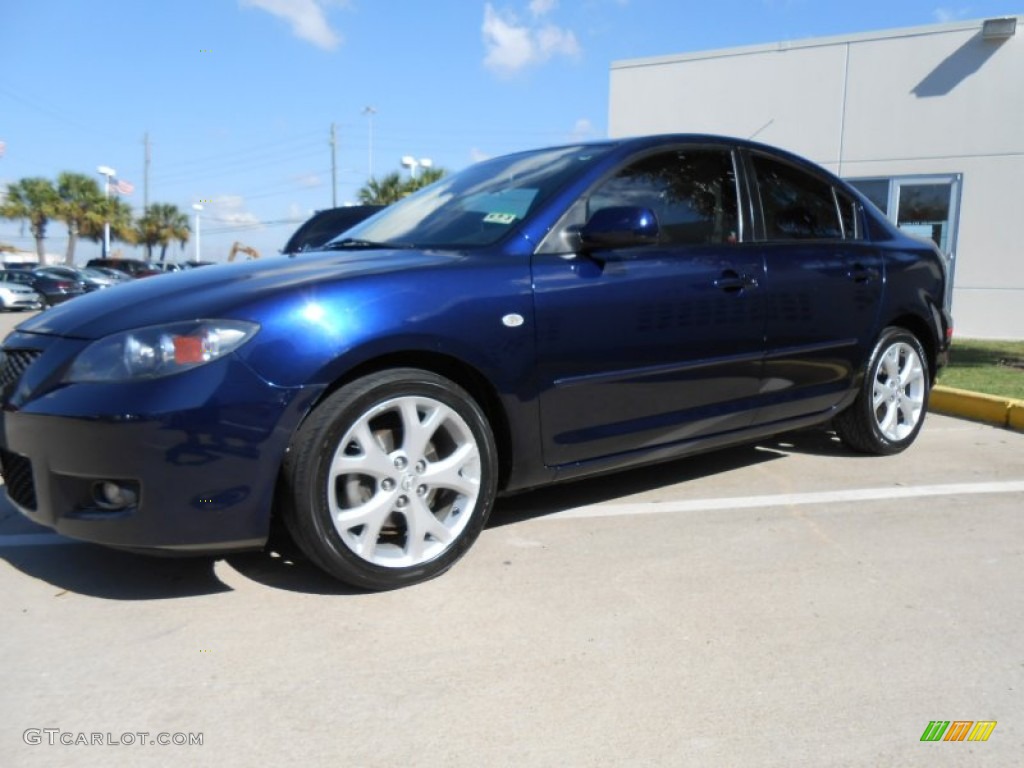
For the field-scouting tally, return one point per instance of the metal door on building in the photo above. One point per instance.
(928, 206)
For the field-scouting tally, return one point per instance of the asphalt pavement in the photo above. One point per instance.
(782, 604)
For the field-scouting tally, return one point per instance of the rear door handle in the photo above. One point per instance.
(861, 274)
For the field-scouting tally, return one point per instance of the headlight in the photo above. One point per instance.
(149, 353)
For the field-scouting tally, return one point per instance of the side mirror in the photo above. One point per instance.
(619, 227)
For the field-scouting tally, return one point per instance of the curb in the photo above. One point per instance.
(1000, 411)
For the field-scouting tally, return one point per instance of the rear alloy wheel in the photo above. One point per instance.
(391, 479)
(889, 411)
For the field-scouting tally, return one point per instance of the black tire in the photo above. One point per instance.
(390, 480)
(890, 408)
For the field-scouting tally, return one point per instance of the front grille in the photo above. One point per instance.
(17, 474)
(15, 363)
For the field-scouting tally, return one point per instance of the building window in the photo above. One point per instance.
(926, 206)
(875, 190)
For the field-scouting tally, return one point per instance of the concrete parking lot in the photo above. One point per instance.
(782, 604)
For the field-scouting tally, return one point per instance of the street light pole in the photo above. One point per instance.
(370, 112)
(197, 207)
(412, 164)
(106, 172)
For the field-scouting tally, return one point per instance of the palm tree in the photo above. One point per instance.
(384, 191)
(160, 225)
(118, 214)
(391, 188)
(81, 206)
(34, 199)
(425, 178)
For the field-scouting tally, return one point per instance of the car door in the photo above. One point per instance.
(649, 346)
(822, 289)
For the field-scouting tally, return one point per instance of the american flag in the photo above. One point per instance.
(123, 187)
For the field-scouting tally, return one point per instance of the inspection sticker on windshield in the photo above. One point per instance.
(499, 218)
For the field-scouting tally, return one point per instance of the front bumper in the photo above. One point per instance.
(200, 450)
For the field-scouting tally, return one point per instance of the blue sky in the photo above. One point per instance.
(238, 96)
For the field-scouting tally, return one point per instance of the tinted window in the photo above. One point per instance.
(875, 190)
(325, 225)
(480, 205)
(796, 205)
(691, 191)
(848, 214)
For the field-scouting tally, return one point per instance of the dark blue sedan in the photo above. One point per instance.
(537, 317)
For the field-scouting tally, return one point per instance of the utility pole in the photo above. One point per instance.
(145, 175)
(334, 167)
(370, 112)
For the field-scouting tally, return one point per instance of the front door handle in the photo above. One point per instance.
(733, 282)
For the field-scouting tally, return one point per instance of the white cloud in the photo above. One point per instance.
(555, 41)
(512, 46)
(478, 155)
(230, 210)
(947, 14)
(542, 7)
(509, 47)
(308, 180)
(306, 17)
(583, 130)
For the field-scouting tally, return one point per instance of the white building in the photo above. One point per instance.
(928, 122)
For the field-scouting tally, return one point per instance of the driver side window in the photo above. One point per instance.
(691, 191)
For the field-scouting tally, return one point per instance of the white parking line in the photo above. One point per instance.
(34, 540)
(692, 505)
(788, 499)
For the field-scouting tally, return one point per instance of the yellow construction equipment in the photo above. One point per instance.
(238, 248)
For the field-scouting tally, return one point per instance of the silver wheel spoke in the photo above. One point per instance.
(373, 461)
(910, 411)
(449, 473)
(879, 397)
(372, 514)
(888, 420)
(421, 523)
(891, 364)
(418, 433)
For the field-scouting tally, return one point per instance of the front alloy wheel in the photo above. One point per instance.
(391, 479)
(890, 408)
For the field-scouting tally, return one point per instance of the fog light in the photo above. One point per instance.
(112, 494)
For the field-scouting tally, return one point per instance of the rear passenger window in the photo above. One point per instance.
(796, 205)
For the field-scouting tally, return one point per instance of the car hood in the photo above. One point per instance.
(224, 291)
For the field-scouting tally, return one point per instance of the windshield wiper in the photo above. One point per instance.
(355, 242)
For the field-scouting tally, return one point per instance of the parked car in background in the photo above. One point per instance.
(114, 275)
(131, 267)
(91, 282)
(326, 225)
(54, 290)
(102, 278)
(533, 318)
(15, 296)
(193, 264)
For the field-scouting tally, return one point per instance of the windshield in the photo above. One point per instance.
(477, 206)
